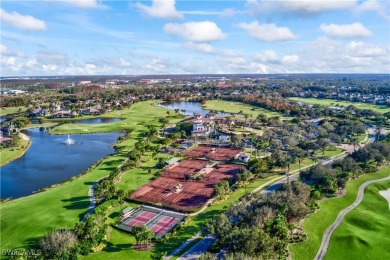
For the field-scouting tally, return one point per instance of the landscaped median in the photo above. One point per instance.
(316, 224)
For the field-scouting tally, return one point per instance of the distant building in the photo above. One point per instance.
(243, 157)
(37, 112)
(90, 111)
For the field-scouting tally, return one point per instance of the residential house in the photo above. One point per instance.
(37, 112)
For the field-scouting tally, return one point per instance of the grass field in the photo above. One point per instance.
(316, 224)
(136, 117)
(364, 232)
(120, 243)
(331, 102)
(11, 110)
(25, 220)
(235, 107)
(12, 153)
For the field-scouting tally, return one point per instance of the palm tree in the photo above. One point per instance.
(246, 118)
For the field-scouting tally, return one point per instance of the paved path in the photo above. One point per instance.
(92, 199)
(182, 246)
(328, 233)
(198, 249)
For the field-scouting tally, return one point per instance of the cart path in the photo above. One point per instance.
(328, 233)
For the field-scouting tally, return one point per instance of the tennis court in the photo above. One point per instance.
(212, 153)
(159, 221)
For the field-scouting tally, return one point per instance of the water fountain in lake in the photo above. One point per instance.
(69, 141)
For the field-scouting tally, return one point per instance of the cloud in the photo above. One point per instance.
(325, 55)
(25, 22)
(359, 49)
(6, 52)
(86, 4)
(199, 12)
(3, 49)
(268, 56)
(201, 47)
(267, 32)
(289, 59)
(374, 6)
(51, 57)
(345, 30)
(124, 63)
(160, 9)
(205, 31)
(300, 7)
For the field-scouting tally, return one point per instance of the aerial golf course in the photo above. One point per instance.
(316, 224)
(331, 102)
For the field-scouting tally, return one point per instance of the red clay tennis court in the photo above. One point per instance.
(141, 219)
(159, 221)
(212, 153)
(185, 194)
(164, 224)
(189, 167)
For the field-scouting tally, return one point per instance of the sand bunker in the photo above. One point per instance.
(386, 194)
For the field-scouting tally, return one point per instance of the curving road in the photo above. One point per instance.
(328, 233)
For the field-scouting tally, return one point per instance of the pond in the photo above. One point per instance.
(189, 107)
(49, 161)
(94, 121)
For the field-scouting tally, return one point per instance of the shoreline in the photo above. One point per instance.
(29, 142)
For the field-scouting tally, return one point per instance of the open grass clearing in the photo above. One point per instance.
(316, 224)
(330, 102)
(364, 232)
(11, 110)
(11, 153)
(236, 107)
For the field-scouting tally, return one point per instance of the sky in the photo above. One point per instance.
(118, 37)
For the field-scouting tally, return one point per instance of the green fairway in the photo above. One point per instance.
(25, 220)
(11, 153)
(236, 107)
(364, 232)
(331, 102)
(138, 115)
(11, 110)
(316, 224)
(119, 240)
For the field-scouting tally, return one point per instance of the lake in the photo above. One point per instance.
(48, 161)
(189, 107)
(94, 121)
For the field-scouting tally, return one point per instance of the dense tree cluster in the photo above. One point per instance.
(260, 226)
(14, 101)
(326, 180)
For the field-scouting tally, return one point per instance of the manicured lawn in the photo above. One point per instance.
(25, 220)
(316, 224)
(138, 116)
(11, 110)
(235, 107)
(364, 233)
(12, 153)
(331, 102)
(123, 240)
(246, 130)
(328, 153)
